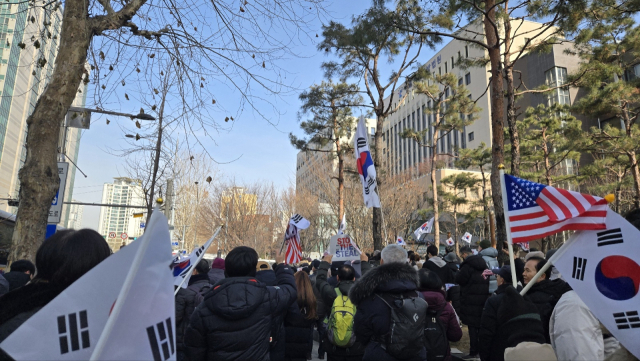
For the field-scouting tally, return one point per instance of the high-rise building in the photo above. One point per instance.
(28, 48)
(118, 224)
(75, 216)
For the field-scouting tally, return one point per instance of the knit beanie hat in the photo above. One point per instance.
(533, 254)
(218, 263)
(485, 243)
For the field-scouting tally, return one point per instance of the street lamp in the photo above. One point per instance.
(137, 136)
(142, 116)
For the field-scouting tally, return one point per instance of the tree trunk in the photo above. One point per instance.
(39, 178)
(377, 162)
(436, 210)
(156, 160)
(635, 172)
(340, 184)
(511, 99)
(497, 119)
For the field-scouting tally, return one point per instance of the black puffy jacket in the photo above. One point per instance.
(299, 334)
(545, 294)
(185, 306)
(474, 290)
(234, 320)
(277, 346)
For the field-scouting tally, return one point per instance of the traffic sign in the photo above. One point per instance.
(124, 236)
(142, 224)
(112, 234)
(55, 212)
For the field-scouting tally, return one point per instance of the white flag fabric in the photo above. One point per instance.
(365, 166)
(450, 242)
(424, 228)
(299, 221)
(603, 267)
(467, 237)
(183, 266)
(69, 327)
(401, 241)
(343, 225)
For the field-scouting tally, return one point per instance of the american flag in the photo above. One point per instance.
(536, 210)
(294, 250)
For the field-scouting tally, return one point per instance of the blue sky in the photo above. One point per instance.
(264, 149)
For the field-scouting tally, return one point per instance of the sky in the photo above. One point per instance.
(262, 150)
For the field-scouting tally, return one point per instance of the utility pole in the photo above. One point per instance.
(195, 230)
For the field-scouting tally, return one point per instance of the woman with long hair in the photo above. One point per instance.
(299, 321)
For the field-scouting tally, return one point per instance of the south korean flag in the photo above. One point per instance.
(603, 267)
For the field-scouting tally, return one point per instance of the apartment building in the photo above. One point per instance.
(118, 224)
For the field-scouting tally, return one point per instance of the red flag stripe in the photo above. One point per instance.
(573, 199)
(560, 212)
(527, 216)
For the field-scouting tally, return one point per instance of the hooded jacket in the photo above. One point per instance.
(277, 345)
(437, 302)
(488, 345)
(298, 334)
(4, 285)
(215, 275)
(490, 256)
(16, 279)
(185, 306)
(439, 267)
(474, 289)
(372, 314)
(201, 285)
(234, 321)
(545, 294)
(328, 295)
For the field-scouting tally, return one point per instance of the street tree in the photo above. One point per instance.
(362, 49)
(479, 159)
(458, 197)
(221, 42)
(329, 127)
(451, 108)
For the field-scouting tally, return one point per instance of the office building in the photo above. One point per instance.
(24, 74)
(118, 224)
(74, 220)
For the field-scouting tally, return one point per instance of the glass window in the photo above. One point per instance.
(466, 51)
(453, 64)
(460, 82)
(555, 77)
(446, 67)
(446, 92)
(440, 70)
(471, 136)
(463, 139)
(467, 78)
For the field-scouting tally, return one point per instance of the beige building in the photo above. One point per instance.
(24, 74)
(118, 224)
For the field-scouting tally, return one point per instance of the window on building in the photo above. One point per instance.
(463, 139)
(466, 51)
(440, 70)
(446, 92)
(467, 78)
(372, 130)
(460, 82)
(471, 136)
(453, 64)
(446, 67)
(554, 77)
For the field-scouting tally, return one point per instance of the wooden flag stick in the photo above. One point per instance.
(505, 211)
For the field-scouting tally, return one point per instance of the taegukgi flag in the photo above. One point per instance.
(450, 242)
(182, 266)
(343, 225)
(401, 241)
(603, 267)
(69, 327)
(365, 166)
(424, 228)
(293, 253)
(467, 237)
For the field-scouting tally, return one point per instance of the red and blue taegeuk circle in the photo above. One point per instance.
(618, 277)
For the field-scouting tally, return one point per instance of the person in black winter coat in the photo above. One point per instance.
(234, 322)
(199, 281)
(453, 293)
(299, 320)
(545, 293)
(373, 317)
(474, 291)
(21, 273)
(517, 321)
(277, 344)
(61, 260)
(185, 306)
(4, 285)
(491, 345)
(346, 279)
(438, 266)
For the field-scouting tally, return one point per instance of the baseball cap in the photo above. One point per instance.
(504, 272)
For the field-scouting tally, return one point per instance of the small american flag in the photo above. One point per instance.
(536, 210)
(294, 250)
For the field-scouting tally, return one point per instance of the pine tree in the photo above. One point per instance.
(452, 110)
(479, 158)
(455, 191)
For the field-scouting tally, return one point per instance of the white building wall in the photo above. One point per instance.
(119, 220)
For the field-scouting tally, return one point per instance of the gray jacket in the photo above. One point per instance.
(490, 256)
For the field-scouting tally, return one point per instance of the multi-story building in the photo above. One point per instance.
(28, 47)
(74, 220)
(405, 155)
(118, 224)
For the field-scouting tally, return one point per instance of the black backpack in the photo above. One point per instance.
(406, 334)
(435, 336)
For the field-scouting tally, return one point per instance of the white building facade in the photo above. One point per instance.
(118, 224)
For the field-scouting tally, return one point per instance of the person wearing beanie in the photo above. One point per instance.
(474, 291)
(217, 271)
(489, 255)
(491, 348)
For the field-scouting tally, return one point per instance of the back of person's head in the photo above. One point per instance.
(69, 254)
(306, 297)
(410, 254)
(375, 256)
(23, 266)
(465, 250)
(429, 281)
(394, 253)
(432, 250)
(346, 273)
(203, 266)
(218, 263)
(315, 264)
(241, 262)
(416, 257)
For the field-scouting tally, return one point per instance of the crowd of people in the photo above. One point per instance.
(389, 305)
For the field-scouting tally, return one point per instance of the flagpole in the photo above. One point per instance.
(384, 225)
(124, 291)
(505, 211)
(186, 277)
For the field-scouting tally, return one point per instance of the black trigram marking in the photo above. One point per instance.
(579, 268)
(73, 334)
(609, 237)
(161, 340)
(626, 320)
(362, 142)
(296, 218)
